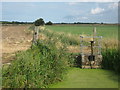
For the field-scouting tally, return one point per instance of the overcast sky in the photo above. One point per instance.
(61, 11)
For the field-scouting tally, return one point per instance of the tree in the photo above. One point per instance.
(39, 22)
(49, 23)
(102, 23)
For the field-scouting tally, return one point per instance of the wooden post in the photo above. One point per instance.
(35, 34)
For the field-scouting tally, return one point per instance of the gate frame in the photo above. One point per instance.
(98, 55)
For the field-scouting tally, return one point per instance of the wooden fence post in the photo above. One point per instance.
(35, 34)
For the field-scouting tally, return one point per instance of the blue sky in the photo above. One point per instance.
(61, 11)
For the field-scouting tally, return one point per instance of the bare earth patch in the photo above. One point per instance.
(14, 38)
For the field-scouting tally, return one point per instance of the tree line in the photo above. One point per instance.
(41, 21)
(15, 22)
(37, 22)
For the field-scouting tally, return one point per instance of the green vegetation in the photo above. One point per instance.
(39, 22)
(49, 23)
(47, 61)
(37, 67)
(111, 59)
(110, 56)
(88, 78)
(107, 31)
(62, 37)
(14, 22)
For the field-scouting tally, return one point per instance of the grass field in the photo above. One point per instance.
(88, 78)
(107, 31)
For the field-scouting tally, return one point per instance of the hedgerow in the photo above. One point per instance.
(37, 67)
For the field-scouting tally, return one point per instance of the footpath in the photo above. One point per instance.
(88, 78)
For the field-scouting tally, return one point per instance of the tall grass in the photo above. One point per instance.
(111, 59)
(37, 67)
(67, 39)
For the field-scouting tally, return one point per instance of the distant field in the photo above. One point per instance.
(107, 31)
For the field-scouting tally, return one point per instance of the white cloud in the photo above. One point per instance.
(97, 10)
(113, 5)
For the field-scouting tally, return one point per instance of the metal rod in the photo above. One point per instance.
(92, 42)
(92, 47)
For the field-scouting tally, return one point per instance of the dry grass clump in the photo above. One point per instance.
(109, 43)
